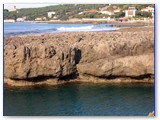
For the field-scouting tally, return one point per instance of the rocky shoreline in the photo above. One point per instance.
(136, 23)
(122, 56)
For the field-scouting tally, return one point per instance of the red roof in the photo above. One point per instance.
(114, 7)
(111, 11)
(118, 8)
(92, 11)
(130, 12)
(103, 8)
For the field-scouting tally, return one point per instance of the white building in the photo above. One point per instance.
(51, 14)
(130, 12)
(107, 12)
(117, 10)
(80, 13)
(9, 20)
(20, 19)
(38, 19)
(104, 8)
(13, 9)
(148, 9)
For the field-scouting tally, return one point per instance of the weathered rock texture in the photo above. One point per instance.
(127, 53)
(151, 114)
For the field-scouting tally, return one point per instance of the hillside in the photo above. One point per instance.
(64, 12)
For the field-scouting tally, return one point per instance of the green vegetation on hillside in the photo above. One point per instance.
(90, 15)
(143, 14)
(64, 12)
(138, 6)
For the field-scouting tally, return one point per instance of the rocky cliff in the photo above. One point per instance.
(123, 55)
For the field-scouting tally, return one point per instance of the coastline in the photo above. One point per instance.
(81, 57)
(133, 23)
(87, 79)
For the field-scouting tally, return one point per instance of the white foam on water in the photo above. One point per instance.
(86, 28)
(75, 28)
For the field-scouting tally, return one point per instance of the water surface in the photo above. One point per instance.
(21, 28)
(80, 100)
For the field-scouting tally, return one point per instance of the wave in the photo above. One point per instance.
(75, 28)
(99, 27)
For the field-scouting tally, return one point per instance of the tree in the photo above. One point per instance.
(143, 14)
(5, 10)
(64, 17)
(119, 14)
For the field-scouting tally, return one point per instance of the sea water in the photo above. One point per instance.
(80, 100)
(21, 28)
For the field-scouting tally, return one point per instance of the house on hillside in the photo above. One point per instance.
(20, 20)
(130, 12)
(117, 10)
(9, 20)
(13, 9)
(148, 9)
(38, 19)
(107, 12)
(92, 11)
(114, 7)
(51, 14)
(80, 13)
(104, 8)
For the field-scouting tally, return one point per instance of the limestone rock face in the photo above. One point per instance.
(99, 54)
(125, 66)
(151, 114)
(34, 60)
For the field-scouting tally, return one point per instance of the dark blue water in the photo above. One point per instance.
(80, 100)
(21, 28)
